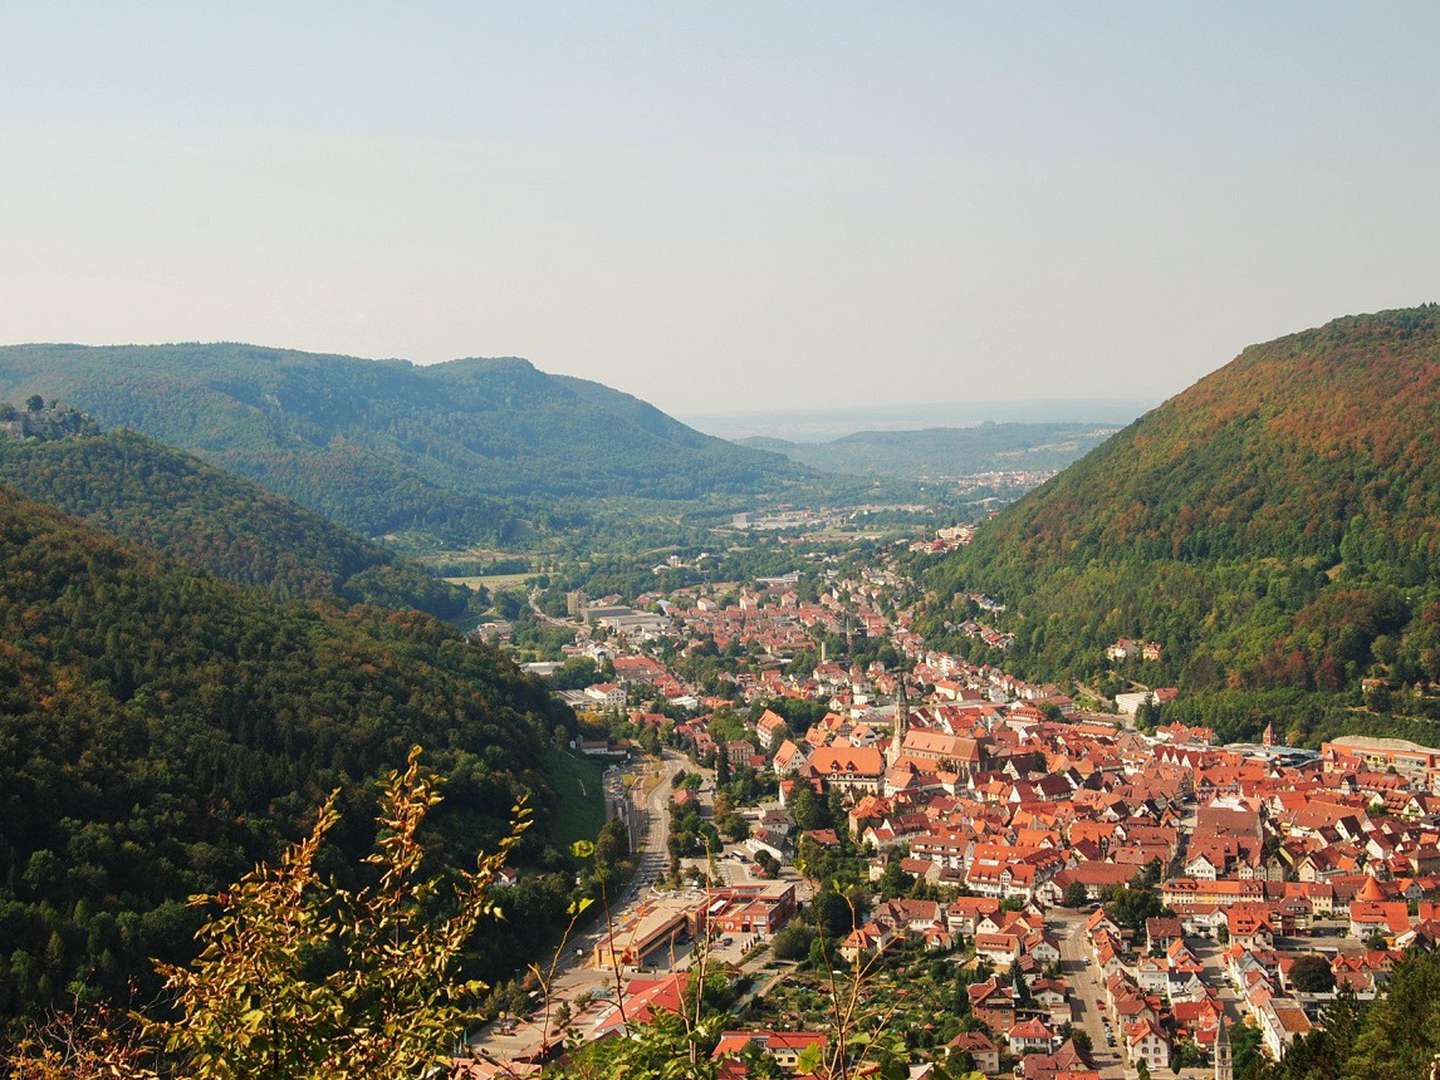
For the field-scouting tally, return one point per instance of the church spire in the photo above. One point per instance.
(1224, 1066)
(901, 723)
(902, 707)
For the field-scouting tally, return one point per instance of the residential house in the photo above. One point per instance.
(1030, 1036)
(783, 1047)
(981, 1048)
(1144, 1041)
(1282, 1021)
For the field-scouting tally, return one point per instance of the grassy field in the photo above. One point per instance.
(581, 809)
(492, 581)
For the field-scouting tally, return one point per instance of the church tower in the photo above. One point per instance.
(1224, 1067)
(901, 723)
(1268, 739)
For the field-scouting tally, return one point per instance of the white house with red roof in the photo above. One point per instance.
(770, 729)
(1030, 1037)
(1144, 1041)
(784, 1047)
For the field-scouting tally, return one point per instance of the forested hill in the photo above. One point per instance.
(137, 489)
(945, 451)
(465, 450)
(1276, 524)
(161, 730)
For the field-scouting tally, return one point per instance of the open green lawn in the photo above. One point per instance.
(577, 782)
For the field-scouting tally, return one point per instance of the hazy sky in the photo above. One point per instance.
(723, 205)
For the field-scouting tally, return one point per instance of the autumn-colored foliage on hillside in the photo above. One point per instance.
(1276, 524)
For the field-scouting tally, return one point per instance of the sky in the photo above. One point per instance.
(723, 207)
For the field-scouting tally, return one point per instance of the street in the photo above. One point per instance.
(573, 975)
(1089, 991)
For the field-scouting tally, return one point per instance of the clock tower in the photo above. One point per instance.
(901, 723)
(1224, 1066)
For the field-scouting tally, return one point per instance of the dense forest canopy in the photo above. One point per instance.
(135, 488)
(467, 450)
(1276, 524)
(945, 451)
(161, 729)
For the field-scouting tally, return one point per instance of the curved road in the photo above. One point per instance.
(573, 973)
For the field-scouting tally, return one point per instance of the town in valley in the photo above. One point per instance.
(818, 784)
(720, 542)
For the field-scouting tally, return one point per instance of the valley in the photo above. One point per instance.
(1014, 875)
(719, 542)
(1036, 789)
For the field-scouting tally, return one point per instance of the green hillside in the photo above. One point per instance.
(150, 494)
(475, 449)
(1275, 525)
(930, 453)
(160, 730)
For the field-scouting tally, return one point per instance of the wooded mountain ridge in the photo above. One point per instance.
(469, 450)
(1277, 524)
(931, 453)
(161, 730)
(141, 491)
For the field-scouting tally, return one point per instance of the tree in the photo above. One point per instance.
(55, 953)
(1400, 1035)
(612, 844)
(733, 827)
(1322, 1053)
(1147, 716)
(759, 1065)
(42, 872)
(669, 1046)
(808, 810)
(832, 913)
(1384, 650)
(792, 942)
(1020, 987)
(1142, 1070)
(91, 1043)
(894, 882)
(576, 673)
(1312, 974)
(1075, 895)
(35, 403)
(299, 976)
(1184, 1054)
(1246, 1048)
(1130, 907)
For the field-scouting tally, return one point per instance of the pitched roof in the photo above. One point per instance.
(734, 1042)
(1030, 1029)
(847, 761)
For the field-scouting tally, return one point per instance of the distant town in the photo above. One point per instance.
(1092, 890)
